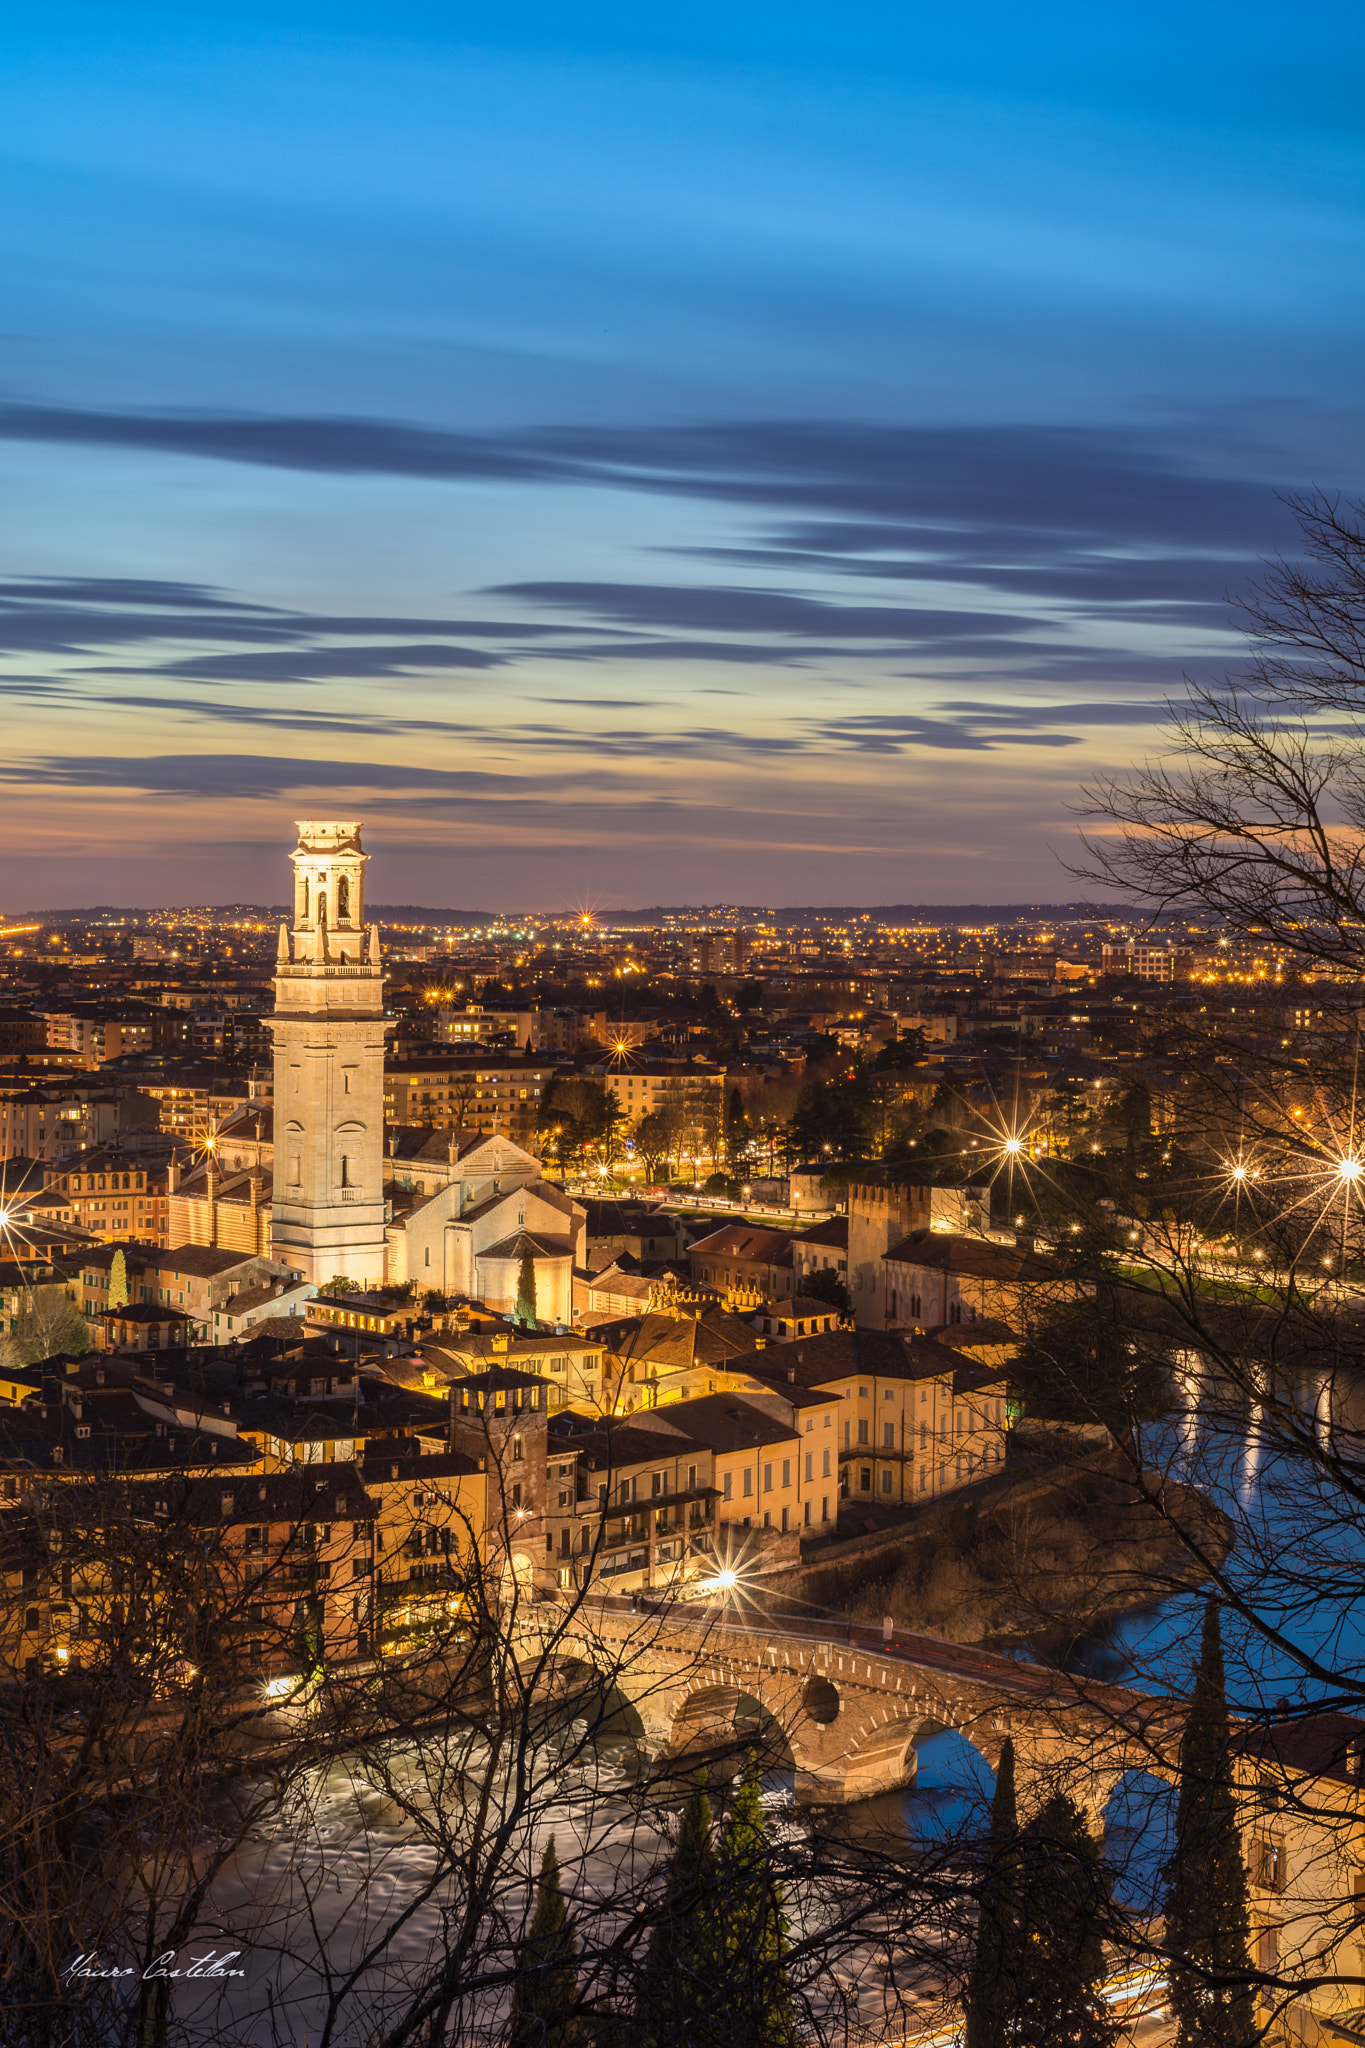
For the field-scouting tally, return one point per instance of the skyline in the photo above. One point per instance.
(642, 460)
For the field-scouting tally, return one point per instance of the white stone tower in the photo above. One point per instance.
(328, 1028)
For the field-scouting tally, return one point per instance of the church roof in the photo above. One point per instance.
(540, 1247)
(422, 1144)
(251, 1121)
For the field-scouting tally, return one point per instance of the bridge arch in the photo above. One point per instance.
(737, 1709)
(886, 1753)
(572, 1689)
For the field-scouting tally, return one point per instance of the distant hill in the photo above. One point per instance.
(425, 913)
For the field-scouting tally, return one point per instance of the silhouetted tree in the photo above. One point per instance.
(825, 1285)
(1064, 1900)
(678, 1983)
(753, 1930)
(994, 1981)
(525, 1311)
(545, 1995)
(1207, 1920)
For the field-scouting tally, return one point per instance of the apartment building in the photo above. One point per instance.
(915, 1418)
(116, 1195)
(498, 1095)
(57, 1120)
(646, 1087)
(932, 1278)
(742, 1255)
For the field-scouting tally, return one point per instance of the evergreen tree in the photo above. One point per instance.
(545, 1994)
(1207, 1921)
(993, 1982)
(1063, 1899)
(525, 1310)
(752, 1926)
(118, 1280)
(680, 1974)
(736, 1127)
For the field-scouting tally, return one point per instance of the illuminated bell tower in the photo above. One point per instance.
(328, 1029)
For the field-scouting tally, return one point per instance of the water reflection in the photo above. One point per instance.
(1289, 1527)
(1139, 1838)
(951, 1796)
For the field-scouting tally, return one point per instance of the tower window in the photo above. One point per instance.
(345, 1171)
(343, 900)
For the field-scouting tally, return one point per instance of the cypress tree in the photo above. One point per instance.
(1207, 1919)
(525, 1310)
(545, 1993)
(679, 1978)
(756, 1993)
(118, 1280)
(993, 1981)
(1063, 1908)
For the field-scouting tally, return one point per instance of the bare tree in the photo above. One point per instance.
(1260, 819)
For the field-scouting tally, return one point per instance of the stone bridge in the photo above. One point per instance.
(849, 1704)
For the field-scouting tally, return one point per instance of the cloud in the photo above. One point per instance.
(243, 775)
(1086, 487)
(1070, 547)
(973, 727)
(724, 608)
(327, 664)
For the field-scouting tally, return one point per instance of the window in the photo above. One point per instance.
(862, 1433)
(1267, 1863)
(810, 1473)
(888, 1436)
(516, 1493)
(824, 1471)
(691, 1478)
(886, 1482)
(848, 1435)
(729, 1485)
(1268, 1950)
(767, 1478)
(865, 1479)
(657, 1484)
(748, 1480)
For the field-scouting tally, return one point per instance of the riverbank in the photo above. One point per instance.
(1063, 1553)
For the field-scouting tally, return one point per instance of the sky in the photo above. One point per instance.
(644, 455)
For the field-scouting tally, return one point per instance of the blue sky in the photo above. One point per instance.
(741, 453)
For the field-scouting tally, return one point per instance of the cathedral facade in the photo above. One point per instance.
(328, 1029)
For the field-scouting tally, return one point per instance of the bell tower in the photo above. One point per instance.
(328, 1029)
